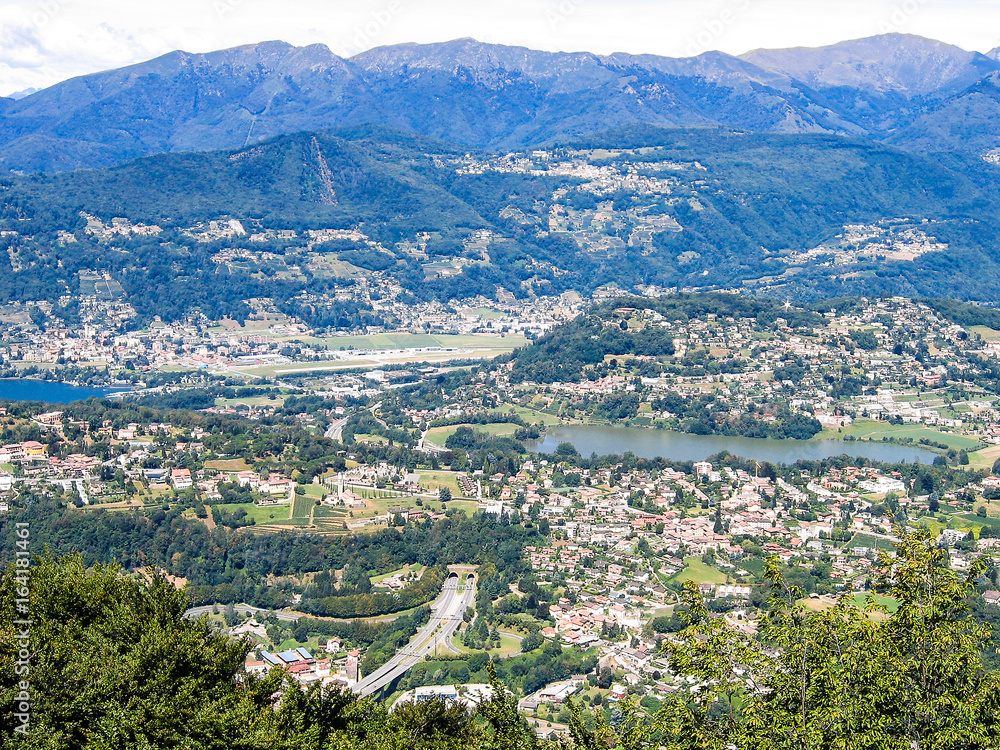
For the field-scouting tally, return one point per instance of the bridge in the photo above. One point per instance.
(447, 612)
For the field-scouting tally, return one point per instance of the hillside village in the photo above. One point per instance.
(359, 453)
(621, 539)
(892, 360)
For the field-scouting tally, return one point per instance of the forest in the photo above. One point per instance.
(230, 565)
(568, 350)
(755, 206)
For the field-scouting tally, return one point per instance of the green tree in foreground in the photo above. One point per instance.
(115, 665)
(848, 677)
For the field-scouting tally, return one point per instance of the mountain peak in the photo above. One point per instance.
(468, 53)
(21, 94)
(898, 63)
(485, 95)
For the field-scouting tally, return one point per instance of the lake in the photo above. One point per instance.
(26, 389)
(681, 446)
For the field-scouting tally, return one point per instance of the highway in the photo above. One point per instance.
(446, 615)
(336, 429)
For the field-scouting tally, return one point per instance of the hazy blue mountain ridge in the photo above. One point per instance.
(914, 92)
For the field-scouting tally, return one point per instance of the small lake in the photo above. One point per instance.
(26, 389)
(681, 446)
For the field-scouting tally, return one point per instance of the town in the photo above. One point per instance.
(582, 603)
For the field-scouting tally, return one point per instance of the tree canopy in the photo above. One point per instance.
(115, 665)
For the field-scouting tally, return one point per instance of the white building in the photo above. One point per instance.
(882, 485)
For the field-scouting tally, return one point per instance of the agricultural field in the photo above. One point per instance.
(985, 458)
(696, 570)
(260, 514)
(875, 431)
(385, 341)
(228, 464)
(440, 435)
(988, 334)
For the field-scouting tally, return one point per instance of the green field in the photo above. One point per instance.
(871, 542)
(484, 313)
(302, 505)
(486, 346)
(755, 566)
(469, 507)
(434, 480)
(383, 341)
(978, 522)
(258, 514)
(988, 334)
(415, 568)
(383, 504)
(371, 438)
(697, 571)
(276, 402)
(857, 599)
(533, 415)
(317, 491)
(889, 603)
(440, 435)
(985, 458)
(870, 430)
(508, 645)
(269, 371)
(228, 464)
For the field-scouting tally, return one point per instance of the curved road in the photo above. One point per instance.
(243, 609)
(446, 616)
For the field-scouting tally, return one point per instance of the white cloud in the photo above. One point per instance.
(45, 41)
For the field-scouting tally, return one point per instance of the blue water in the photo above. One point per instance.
(26, 389)
(682, 446)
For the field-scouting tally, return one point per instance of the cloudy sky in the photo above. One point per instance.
(45, 41)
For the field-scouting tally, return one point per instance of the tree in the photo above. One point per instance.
(111, 658)
(506, 727)
(444, 494)
(841, 678)
(567, 450)
(115, 664)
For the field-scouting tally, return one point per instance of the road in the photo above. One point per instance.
(336, 429)
(243, 609)
(427, 446)
(446, 616)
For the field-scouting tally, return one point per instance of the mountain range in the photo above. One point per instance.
(302, 218)
(913, 93)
